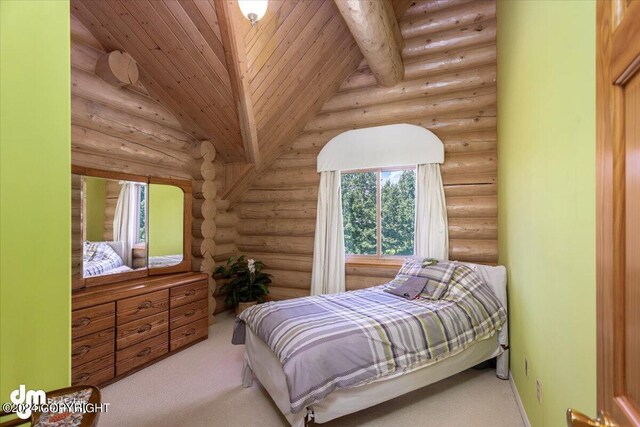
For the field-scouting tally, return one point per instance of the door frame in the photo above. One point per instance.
(610, 211)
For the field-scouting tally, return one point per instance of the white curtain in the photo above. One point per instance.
(125, 227)
(328, 249)
(431, 228)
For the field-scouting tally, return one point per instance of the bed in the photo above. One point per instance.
(279, 370)
(164, 260)
(100, 258)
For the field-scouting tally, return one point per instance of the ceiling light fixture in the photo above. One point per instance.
(254, 10)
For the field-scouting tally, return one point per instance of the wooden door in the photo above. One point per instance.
(618, 211)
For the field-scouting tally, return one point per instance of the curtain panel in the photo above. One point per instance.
(328, 250)
(431, 227)
(125, 227)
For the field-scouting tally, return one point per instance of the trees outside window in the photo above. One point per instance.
(379, 210)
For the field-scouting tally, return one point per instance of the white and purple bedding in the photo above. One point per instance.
(164, 260)
(328, 342)
(99, 258)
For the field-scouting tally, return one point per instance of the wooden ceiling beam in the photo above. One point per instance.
(341, 64)
(236, 56)
(374, 27)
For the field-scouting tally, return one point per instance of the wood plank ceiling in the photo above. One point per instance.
(297, 56)
(178, 48)
(293, 60)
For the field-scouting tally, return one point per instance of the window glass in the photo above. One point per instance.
(378, 210)
(359, 199)
(397, 211)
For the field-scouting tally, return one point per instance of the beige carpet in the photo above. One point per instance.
(201, 387)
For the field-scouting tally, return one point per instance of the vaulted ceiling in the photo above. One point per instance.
(295, 57)
(247, 89)
(178, 48)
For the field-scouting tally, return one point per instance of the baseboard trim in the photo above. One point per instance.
(523, 413)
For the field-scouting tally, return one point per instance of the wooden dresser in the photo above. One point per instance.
(123, 327)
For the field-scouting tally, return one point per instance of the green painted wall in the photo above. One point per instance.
(546, 193)
(35, 194)
(165, 220)
(96, 197)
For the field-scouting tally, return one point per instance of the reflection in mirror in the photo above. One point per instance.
(114, 218)
(166, 239)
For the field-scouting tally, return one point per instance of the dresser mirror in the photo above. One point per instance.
(127, 226)
(114, 226)
(169, 226)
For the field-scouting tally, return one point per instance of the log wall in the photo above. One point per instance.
(213, 228)
(123, 129)
(120, 129)
(225, 231)
(112, 192)
(449, 88)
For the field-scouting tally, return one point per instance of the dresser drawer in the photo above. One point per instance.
(95, 372)
(184, 314)
(92, 319)
(91, 347)
(142, 329)
(142, 306)
(141, 353)
(189, 333)
(182, 295)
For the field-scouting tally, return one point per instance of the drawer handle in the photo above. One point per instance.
(84, 377)
(82, 322)
(190, 332)
(144, 328)
(190, 313)
(81, 351)
(190, 292)
(144, 352)
(144, 305)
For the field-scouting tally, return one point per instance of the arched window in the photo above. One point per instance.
(380, 196)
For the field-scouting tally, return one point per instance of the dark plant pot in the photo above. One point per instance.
(242, 306)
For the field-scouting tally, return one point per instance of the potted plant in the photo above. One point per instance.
(246, 284)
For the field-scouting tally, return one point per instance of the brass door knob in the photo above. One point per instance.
(578, 419)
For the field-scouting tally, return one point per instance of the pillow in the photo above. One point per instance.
(432, 269)
(93, 251)
(495, 277)
(437, 272)
(411, 288)
(432, 290)
(435, 289)
(109, 254)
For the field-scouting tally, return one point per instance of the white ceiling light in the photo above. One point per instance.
(254, 10)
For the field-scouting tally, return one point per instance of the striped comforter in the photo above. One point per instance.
(352, 338)
(99, 258)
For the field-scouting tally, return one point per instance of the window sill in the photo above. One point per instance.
(364, 261)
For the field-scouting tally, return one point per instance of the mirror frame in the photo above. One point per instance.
(185, 264)
(78, 283)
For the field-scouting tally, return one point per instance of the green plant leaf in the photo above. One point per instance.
(243, 285)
